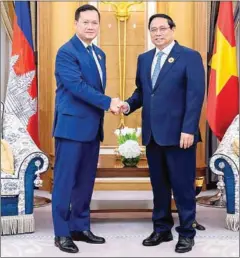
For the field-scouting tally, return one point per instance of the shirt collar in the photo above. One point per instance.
(167, 49)
(85, 44)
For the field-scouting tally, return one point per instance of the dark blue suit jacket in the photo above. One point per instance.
(174, 105)
(80, 101)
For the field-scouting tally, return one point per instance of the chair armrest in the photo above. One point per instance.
(23, 147)
(225, 150)
(225, 162)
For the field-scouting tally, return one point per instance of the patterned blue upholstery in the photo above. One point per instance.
(17, 190)
(225, 162)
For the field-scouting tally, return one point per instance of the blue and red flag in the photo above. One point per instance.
(21, 98)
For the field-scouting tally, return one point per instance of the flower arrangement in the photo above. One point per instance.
(129, 148)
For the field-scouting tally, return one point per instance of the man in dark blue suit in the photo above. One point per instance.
(78, 129)
(170, 89)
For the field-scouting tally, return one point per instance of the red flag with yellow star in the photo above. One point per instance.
(223, 93)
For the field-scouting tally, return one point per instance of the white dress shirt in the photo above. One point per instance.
(95, 58)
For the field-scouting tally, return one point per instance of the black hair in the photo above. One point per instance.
(84, 8)
(162, 15)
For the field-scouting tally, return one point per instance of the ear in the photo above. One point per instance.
(75, 24)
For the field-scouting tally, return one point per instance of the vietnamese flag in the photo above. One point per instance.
(21, 97)
(223, 93)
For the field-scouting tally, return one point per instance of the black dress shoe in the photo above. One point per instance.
(198, 226)
(184, 244)
(156, 238)
(66, 244)
(87, 236)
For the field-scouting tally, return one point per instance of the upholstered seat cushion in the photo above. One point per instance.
(21, 144)
(5, 175)
(9, 180)
(10, 187)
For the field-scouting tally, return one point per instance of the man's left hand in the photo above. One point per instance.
(186, 140)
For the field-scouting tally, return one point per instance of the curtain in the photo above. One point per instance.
(7, 14)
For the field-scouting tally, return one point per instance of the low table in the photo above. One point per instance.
(110, 166)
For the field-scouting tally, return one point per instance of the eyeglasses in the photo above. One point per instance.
(161, 30)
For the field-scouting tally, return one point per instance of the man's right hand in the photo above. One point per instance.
(115, 105)
(125, 108)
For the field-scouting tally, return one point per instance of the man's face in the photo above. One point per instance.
(161, 34)
(87, 26)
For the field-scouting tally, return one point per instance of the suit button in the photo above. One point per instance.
(152, 95)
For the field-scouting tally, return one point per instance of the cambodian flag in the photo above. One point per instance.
(21, 98)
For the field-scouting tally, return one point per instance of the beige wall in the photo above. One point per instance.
(55, 26)
(135, 42)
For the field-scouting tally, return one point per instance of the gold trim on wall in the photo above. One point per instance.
(122, 13)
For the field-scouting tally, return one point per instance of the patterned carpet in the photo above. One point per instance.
(124, 233)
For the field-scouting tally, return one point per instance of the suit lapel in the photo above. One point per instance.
(170, 61)
(86, 56)
(102, 64)
(149, 61)
(81, 49)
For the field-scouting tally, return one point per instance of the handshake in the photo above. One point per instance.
(117, 106)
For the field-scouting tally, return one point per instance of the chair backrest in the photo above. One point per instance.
(226, 145)
(2, 113)
(2, 110)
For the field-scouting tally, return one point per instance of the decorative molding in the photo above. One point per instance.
(122, 185)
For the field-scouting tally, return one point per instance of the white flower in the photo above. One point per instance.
(124, 131)
(139, 130)
(130, 130)
(130, 149)
(117, 132)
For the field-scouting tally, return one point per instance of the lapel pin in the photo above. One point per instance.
(170, 59)
(99, 57)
